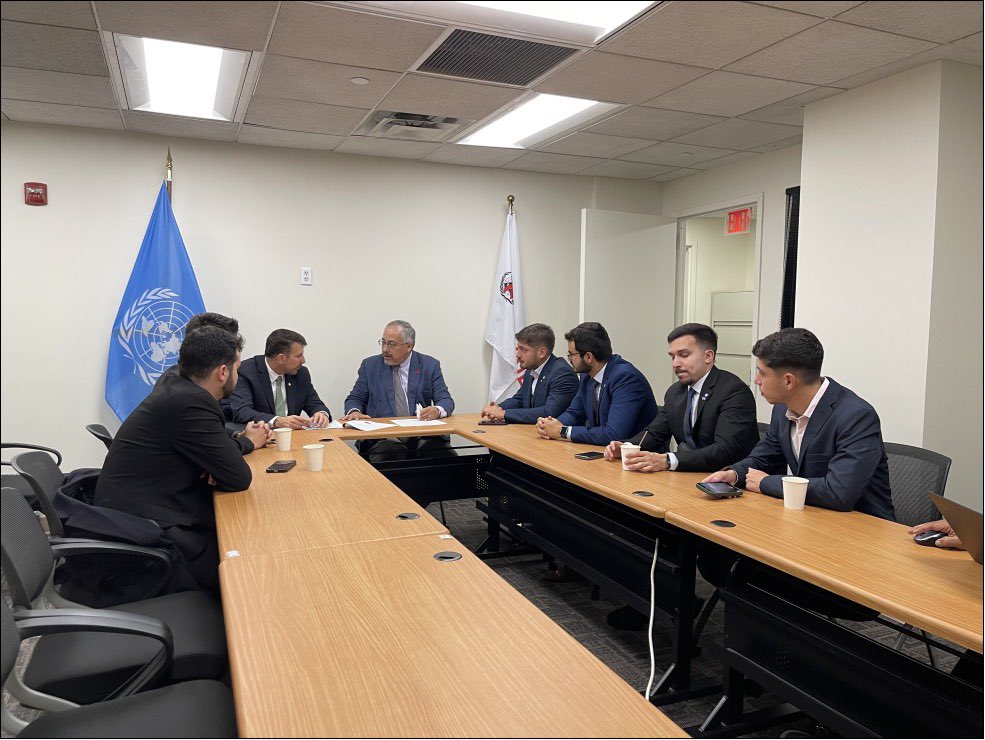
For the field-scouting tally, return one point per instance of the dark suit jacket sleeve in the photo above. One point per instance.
(736, 413)
(200, 437)
(767, 455)
(312, 403)
(562, 387)
(658, 432)
(242, 402)
(440, 396)
(627, 395)
(513, 402)
(575, 414)
(849, 469)
(358, 397)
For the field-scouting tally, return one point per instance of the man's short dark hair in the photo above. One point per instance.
(206, 348)
(792, 350)
(537, 335)
(591, 337)
(209, 318)
(704, 335)
(280, 340)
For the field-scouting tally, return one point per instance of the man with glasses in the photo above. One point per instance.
(394, 383)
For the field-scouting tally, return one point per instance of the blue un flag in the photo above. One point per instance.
(159, 299)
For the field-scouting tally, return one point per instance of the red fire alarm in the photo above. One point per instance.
(35, 194)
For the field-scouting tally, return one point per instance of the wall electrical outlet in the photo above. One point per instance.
(305, 276)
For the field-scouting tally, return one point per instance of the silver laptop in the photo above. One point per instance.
(966, 523)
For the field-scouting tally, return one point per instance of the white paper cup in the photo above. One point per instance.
(623, 449)
(283, 437)
(314, 457)
(794, 492)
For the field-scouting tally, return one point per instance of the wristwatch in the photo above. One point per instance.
(565, 431)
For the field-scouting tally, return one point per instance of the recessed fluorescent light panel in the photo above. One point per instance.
(603, 17)
(536, 120)
(181, 79)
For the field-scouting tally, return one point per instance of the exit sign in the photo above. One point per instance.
(738, 222)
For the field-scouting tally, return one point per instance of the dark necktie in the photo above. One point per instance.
(595, 403)
(688, 426)
(400, 407)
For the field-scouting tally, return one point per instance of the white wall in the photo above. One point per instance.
(385, 238)
(954, 352)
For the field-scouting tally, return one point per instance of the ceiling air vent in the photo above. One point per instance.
(481, 56)
(411, 126)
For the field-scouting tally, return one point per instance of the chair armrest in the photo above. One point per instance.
(35, 622)
(67, 547)
(26, 446)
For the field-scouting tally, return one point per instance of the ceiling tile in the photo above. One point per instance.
(375, 147)
(294, 139)
(329, 34)
(558, 164)
(297, 115)
(627, 170)
(727, 94)
(436, 96)
(951, 52)
(678, 155)
(319, 82)
(822, 9)
(791, 110)
(67, 115)
(829, 52)
(194, 128)
(71, 14)
(937, 21)
(782, 144)
(477, 156)
(675, 175)
(617, 79)
(706, 34)
(57, 87)
(231, 25)
(970, 42)
(52, 48)
(595, 145)
(739, 134)
(652, 123)
(721, 161)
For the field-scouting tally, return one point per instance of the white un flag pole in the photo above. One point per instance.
(505, 315)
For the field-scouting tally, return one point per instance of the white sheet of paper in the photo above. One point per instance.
(418, 423)
(330, 425)
(366, 426)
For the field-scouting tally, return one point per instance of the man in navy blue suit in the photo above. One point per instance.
(394, 383)
(275, 387)
(548, 385)
(820, 430)
(614, 401)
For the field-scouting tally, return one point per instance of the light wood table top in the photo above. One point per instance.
(347, 501)
(869, 560)
(379, 639)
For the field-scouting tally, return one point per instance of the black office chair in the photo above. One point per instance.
(44, 478)
(101, 433)
(192, 709)
(15, 480)
(913, 473)
(86, 668)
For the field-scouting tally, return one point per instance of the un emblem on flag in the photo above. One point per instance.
(151, 332)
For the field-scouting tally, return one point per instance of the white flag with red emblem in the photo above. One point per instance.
(505, 316)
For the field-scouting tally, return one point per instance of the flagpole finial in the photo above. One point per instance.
(168, 172)
(509, 200)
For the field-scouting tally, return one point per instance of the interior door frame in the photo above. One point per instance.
(741, 201)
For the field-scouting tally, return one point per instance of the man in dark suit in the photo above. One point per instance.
(276, 387)
(394, 383)
(710, 412)
(614, 400)
(820, 430)
(173, 448)
(549, 384)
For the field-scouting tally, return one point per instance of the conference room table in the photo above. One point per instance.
(344, 617)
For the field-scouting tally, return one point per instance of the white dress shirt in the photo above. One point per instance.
(534, 376)
(273, 388)
(671, 457)
(799, 425)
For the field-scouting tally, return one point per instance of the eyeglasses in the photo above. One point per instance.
(573, 354)
(390, 344)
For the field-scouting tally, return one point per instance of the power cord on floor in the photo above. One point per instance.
(649, 636)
